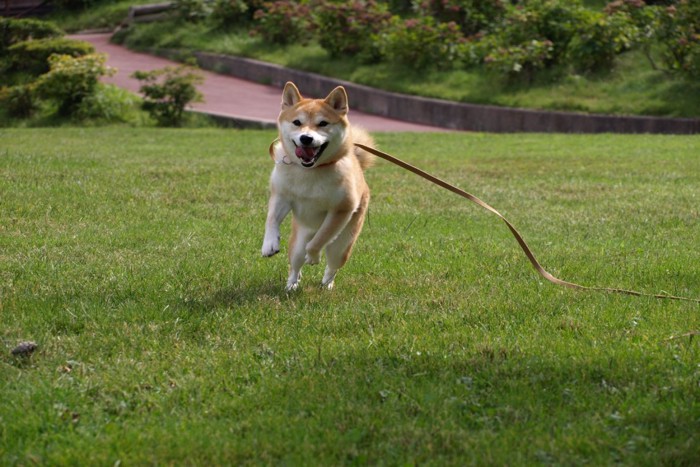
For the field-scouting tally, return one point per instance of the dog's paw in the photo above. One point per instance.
(328, 279)
(270, 248)
(292, 287)
(313, 257)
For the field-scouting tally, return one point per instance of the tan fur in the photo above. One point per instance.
(360, 136)
(318, 176)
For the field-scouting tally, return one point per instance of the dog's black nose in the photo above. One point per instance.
(306, 140)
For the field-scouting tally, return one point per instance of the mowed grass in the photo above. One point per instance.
(131, 256)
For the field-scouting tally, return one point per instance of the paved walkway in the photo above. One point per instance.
(225, 95)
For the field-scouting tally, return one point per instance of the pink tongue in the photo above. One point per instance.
(305, 153)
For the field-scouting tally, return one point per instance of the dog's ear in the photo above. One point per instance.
(338, 100)
(290, 96)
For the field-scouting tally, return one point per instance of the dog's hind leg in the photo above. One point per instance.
(339, 250)
(297, 254)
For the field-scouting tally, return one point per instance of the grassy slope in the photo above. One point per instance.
(132, 257)
(632, 88)
(102, 15)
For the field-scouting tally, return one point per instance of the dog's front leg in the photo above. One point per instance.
(333, 224)
(278, 208)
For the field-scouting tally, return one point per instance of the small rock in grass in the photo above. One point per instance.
(24, 349)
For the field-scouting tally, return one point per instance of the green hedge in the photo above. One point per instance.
(43, 74)
(13, 31)
(32, 56)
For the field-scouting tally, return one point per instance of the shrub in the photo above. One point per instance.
(524, 59)
(424, 43)
(13, 31)
(33, 55)
(192, 10)
(599, 39)
(401, 7)
(350, 28)
(19, 101)
(71, 80)
(644, 20)
(555, 21)
(283, 22)
(74, 4)
(679, 36)
(234, 12)
(472, 16)
(108, 103)
(531, 37)
(167, 91)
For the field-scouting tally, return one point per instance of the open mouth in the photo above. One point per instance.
(308, 155)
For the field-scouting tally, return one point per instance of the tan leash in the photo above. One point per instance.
(536, 264)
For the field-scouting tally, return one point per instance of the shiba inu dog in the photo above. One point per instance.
(318, 176)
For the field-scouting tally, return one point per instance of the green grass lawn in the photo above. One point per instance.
(131, 256)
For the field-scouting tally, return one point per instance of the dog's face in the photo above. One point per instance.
(313, 130)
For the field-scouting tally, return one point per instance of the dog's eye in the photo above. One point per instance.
(322, 123)
(296, 123)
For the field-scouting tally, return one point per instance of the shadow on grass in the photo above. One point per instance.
(250, 293)
(497, 389)
(246, 293)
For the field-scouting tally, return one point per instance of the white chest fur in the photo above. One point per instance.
(312, 193)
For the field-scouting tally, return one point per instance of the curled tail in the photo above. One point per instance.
(359, 135)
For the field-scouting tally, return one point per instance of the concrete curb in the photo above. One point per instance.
(230, 121)
(436, 112)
